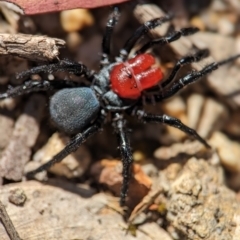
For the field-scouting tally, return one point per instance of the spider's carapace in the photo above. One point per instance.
(130, 78)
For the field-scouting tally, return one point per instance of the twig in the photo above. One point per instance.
(34, 48)
(7, 223)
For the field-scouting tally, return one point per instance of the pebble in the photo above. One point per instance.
(194, 108)
(109, 173)
(11, 16)
(237, 47)
(198, 22)
(232, 126)
(76, 19)
(73, 40)
(213, 117)
(17, 197)
(228, 150)
(138, 156)
(74, 165)
(188, 148)
(6, 130)
(225, 26)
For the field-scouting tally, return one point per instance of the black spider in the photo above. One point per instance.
(116, 91)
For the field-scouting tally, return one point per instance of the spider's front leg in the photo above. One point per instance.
(174, 36)
(190, 78)
(198, 56)
(141, 31)
(126, 154)
(173, 122)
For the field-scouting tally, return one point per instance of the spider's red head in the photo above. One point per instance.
(130, 78)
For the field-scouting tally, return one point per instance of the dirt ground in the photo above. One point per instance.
(179, 188)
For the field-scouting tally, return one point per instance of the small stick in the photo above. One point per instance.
(7, 223)
(34, 48)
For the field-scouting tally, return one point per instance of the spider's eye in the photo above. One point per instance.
(72, 109)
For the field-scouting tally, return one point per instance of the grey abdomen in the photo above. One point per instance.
(72, 109)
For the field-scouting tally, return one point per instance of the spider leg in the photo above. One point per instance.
(169, 38)
(36, 86)
(173, 122)
(126, 154)
(72, 146)
(106, 43)
(141, 31)
(198, 56)
(190, 78)
(184, 81)
(62, 66)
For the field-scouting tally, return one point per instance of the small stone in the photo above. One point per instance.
(138, 156)
(7, 125)
(194, 108)
(213, 117)
(238, 47)
(18, 151)
(17, 197)
(232, 126)
(76, 19)
(74, 39)
(154, 231)
(109, 173)
(74, 165)
(225, 26)
(218, 6)
(174, 107)
(187, 148)
(8, 103)
(228, 150)
(198, 22)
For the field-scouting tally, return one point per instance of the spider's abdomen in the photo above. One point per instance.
(72, 109)
(130, 78)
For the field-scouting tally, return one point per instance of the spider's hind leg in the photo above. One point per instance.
(173, 122)
(37, 86)
(61, 66)
(72, 146)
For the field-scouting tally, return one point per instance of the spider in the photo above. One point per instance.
(116, 91)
